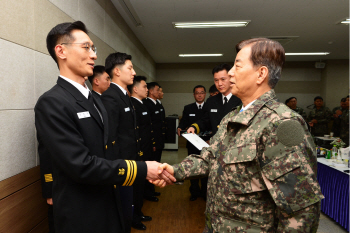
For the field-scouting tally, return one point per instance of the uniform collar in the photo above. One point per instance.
(155, 102)
(228, 97)
(83, 89)
(246, 116)
(122, 89)
(202, 104)
(137, 99)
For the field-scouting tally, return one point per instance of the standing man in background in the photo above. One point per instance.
(213, 90)
(72, 132)
(100, 81)
(319, 117)
(191, 114)
(292, 104)
(154, 109)
(162, 113)
(123, 137)
(139, 91)
(217, 106)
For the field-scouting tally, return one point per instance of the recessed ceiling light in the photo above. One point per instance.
(218, 24)
(343, 21)
(201, 55)
(305, 54)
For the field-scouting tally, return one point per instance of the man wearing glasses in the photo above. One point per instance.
(72, 134)
(190, 115)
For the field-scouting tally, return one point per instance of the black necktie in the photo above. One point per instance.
(91, 100)
(200, 107)
(225, 100)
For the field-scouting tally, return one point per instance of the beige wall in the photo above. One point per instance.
(299, 79)
(27, 71)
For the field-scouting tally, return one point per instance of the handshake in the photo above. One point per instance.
(160, 174)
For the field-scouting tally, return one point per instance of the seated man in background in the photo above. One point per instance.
(262, 161)
(319, 117)
(100, 81)
(292, 103)
(191, 114)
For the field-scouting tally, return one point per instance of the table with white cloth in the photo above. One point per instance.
(334, 182)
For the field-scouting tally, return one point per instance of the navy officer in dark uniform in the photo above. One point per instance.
(192, 113)
(219, 105)
(99, 80)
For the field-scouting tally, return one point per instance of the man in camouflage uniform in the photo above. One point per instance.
(337, 115)
(292, 103)
(261, 163)
(342, 120)
(319, 117)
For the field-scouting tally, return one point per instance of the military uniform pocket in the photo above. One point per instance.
(242, 169)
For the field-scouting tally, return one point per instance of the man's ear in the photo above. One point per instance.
(134, 89)
(96, 81)
(61, 52)
(263, 73)
(116, 71)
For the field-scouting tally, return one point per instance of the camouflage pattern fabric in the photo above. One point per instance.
(258, 181)
(323, 116)
(301, 112)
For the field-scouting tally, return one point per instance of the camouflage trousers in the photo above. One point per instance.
(302, 221)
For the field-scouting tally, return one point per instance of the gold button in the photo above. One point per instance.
(106, 147)
(137, 127)
(152, 131)
(218, 126)
(113, 142)
(140, 139)
(137, 140)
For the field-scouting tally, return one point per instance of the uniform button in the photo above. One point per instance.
(152, 131)
(106, 147)
(140, 139)
(137, 127)
(137, 140)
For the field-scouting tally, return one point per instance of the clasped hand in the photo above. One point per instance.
(160, 174)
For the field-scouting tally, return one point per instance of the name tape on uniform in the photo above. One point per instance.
(213, 110)
(82, 115)
(127, 109)
(156, 112)
(192, 114)
(144, 113)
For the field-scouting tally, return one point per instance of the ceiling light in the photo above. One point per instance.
(201, 55)
(303, 54)
(218, 24)
(346, 21)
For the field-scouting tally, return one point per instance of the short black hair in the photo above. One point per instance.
(289, 99)
(199, 86)
(343, 99)
(213, 89)
(137, 80)
(318, 98)
(98, 70)
(115, 59)
(62, 33)
(221, 67)
(152, 85)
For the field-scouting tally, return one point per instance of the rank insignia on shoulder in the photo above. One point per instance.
(121, 171)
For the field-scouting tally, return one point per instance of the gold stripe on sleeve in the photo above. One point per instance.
(135, 172)
(197, 127)
(48, 177)
(131, 173)
(128, 174)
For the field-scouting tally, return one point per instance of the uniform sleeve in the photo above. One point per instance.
(46, 174)
(327, 117)
(289, 165)
(58, 133)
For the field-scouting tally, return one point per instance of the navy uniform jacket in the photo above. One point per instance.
(214, 111)
(123, 137)
(70, 131)
(96, 94)
(190, 115)
(143, 121)
(157, 125)
(164, 123)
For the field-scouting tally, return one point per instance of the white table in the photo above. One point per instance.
(328, 162)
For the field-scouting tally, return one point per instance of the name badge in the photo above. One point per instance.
(144, 113)
(127, 109)
(82, 115)
(156, 112)
(161, 109)
(192, 114)
(213, 110)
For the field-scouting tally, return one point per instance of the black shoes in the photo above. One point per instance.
(138, 226)
(146, 218)
(193, 198)
(151, 198)
(156, 194)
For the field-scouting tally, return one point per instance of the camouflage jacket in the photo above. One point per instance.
(323, 116)
(261, 166)
(301, 112)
